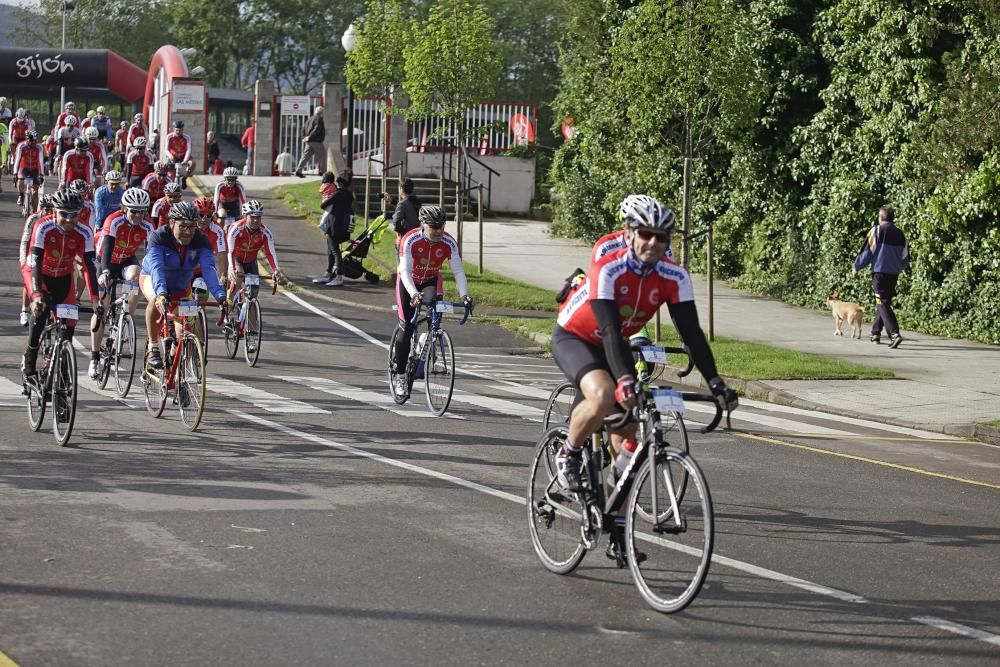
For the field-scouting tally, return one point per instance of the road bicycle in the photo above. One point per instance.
(55, 379)
(432, 356)
(183, 369)
(244, 320)
(675, 529)
(117, 352)
(199, 288)
(29, 201)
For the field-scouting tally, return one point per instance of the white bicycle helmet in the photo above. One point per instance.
(92, 133)
(642, 211)
(140, 142)
(230, 172)
(136, 199)
(253, 207)
(70, 120)
(173, 189)
(101, 110)
(21, 114)
(113, 176)
(137, 118)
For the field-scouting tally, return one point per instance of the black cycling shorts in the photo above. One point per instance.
(117, 271)
(576, 357)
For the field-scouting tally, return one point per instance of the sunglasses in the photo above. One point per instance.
(187, 226)
(69, 215)
(645, 235)
(435, 225)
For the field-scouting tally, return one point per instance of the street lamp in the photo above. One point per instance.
(68, 5)
(349, 40)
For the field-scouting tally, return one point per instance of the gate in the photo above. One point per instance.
(369, 124)
(294, 111)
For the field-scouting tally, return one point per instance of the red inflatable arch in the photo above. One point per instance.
(171, 60)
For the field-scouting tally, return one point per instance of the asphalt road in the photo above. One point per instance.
(309, 521)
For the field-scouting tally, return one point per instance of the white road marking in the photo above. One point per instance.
(959, 629)
(260, 398)
(10, 394)
(336, 320)
(773, 422)
(108, 391)
(527, 392)
(500, 405)
(738, 565)
(414, 408)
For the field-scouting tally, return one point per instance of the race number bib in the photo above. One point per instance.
(656, 355)
(251, 280)
(444, 307)
(668, 400)
(200, 284)
(187, 308)
(130, 287)
(67, 311)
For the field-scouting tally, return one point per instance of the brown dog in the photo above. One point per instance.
(851, 312)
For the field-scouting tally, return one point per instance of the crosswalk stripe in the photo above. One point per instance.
(378, 399)
(262, 399)
(498, 405)
(525, 391)
(773, 422)
(10, 394)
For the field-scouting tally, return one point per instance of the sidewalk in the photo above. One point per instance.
(941, 385)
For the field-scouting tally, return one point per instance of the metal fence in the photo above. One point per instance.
(369, 124)
(488, 128)
(288, 129)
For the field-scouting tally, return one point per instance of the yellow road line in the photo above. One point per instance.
(5, 661)
(864, 459)
(896, 438)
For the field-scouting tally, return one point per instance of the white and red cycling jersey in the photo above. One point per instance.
(126, 238)
(66, 138)
(121, 140)
(26, 235)
(61, 120)
(229, 193)
(245, 244)
(96, 148)
(155, 186)
(88, 215)
(18, 131)
(420, 260)
(28, 160)
(60, 248)
(160, 213)
(141, 163)
(179, 148)
(76, 164)
(637, 291)
(216, 236)
(135, 130)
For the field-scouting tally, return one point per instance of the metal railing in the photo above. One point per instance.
(481, 128)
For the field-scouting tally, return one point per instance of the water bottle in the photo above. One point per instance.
(167, 346)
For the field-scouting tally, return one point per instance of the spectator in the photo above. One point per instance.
(885, 249)
(313, 136)
(284, 164)
(341, 209)
(212, 150)
(405, 217)
(5, 111)
(247, 142)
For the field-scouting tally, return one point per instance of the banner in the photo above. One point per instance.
(80, 68)
(295, 105)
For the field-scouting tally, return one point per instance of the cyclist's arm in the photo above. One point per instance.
(459, 272)
(90, 271)
(218, 195)
(272, 257)
(207, 261)
(685, 317)
(22, 254)
(231, 242)
(107, 247)
(128, 167)
(157, 275)
(187, 153)
(37, 257)
(405, 272)
(609, 323)
(243, 193)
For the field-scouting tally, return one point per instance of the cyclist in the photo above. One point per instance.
(77, 164)
(121, 143)
(179, 152)
(104, 125)
(622, 291)
(138, 163)
(28, 163)
(161, 207)
(67, 137)
(18, 128)
(44, 211)
(216, 236)
(55, 244)
(88, 212)
(172, 253)
(156, 182)
(108, 197)
(245, 238)
(422, 251)
(117, 242)
(229, 195)
(135, 130)
(69, 110)
(97, 150)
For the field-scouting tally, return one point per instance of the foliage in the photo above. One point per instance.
(375, 66)
(451, 62)
(805, 117)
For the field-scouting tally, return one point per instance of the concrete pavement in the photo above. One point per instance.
(943, 385)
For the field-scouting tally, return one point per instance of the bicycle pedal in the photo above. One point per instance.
(671, 527)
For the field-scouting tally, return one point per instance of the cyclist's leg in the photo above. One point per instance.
(152, 314)
(405, 312)
(131, 274)
(235, 279)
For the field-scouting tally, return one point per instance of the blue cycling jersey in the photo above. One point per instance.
(171, 266)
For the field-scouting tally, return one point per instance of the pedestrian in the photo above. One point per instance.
(340, 209)
(212, 148)
(313, 136)
(407, 207)
(247, 141)
(284, 164)
(885, 249)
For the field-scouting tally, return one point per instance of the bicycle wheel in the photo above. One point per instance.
(64, 388)
(669, 423)
(398, 397)
(558, 407)
(251, 333)
(678, 544)
(154, 387)
(554, 515)
(36, 402)
(439, 372)
(230, 331)
(191, 381)
(107, 350)
(203, 329)
(123, 360)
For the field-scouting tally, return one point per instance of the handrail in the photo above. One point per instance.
(479, 162)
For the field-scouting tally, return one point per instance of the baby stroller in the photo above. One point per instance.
(351, 259)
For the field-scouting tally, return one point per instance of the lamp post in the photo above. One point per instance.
(348, 41)
(68, 5)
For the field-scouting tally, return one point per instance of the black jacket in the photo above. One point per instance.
(341, 208)
(315, 129)
(405, 217)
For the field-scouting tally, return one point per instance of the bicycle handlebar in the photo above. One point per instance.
(643, 396)
(426, 304)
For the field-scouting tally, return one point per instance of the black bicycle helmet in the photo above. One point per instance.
(65, 200)
(183, 210)
(431, 215)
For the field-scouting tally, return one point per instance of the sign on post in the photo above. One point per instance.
(188, 96)
(295, 105)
